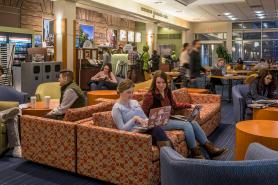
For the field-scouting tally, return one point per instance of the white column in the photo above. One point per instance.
(65, 10)
(151, 35)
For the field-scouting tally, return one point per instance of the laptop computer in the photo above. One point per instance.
(216, 72)
(157, 117)
(192, 117)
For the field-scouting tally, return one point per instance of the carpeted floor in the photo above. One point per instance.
(15, 171)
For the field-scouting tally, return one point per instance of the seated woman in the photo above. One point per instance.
(160, 95)
(239, 65)
(262, 88)
(220, 64)
(127, 114)
(104, 80)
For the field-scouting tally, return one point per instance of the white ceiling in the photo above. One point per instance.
(213, 10)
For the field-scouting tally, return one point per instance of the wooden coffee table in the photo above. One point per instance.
(269, 113)
(196, 90)
(108, 94)
(40, 110)
(264, 132)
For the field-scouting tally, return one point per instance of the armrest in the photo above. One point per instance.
(4, 105)
(125, 153)
(204, 98)
(187, 113)
(257, 151)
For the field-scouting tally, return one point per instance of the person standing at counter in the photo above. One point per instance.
(133, 58)
(145, 57)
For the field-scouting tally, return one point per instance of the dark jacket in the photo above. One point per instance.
(155, 100)
(259, 92)
(195, 64)
(80, 102)
(155, 62)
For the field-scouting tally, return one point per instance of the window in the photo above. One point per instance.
(252, 36)
(270, 24)
(269, 35)
(252, 25)
(252, 50)
(270, 49)
(211, 36)
(237, 50)
(237, 35)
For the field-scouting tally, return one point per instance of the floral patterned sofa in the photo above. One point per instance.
(88, 143)
(121, 157)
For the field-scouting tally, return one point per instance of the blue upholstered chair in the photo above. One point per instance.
(239, 93)
(10, 94)
(259, 168)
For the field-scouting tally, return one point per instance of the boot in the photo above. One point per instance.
(8, 114)
(196, 153)
(161, 144)
(214, 151)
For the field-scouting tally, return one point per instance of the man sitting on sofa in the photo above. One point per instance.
(71, 96)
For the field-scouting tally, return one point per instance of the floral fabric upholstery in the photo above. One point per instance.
(104, 119)
(115, 156)
(205, 98)
(101, 100)
(49, 142)
(182, 95)
(86, 112)
(208, 111)
(211, 124)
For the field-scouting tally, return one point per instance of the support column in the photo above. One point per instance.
(65, 16)
(151, 36)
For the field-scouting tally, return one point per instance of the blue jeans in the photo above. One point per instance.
(196, 83)
(98, 86)
(192, 131)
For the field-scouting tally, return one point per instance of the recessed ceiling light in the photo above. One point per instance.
(227, 13)
(230, 16)
(260, 14)
(262, 17)
(233, 18)
(257, 12)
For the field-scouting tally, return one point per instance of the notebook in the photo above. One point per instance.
(192, 117)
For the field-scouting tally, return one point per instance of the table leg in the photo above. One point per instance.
(230, 82)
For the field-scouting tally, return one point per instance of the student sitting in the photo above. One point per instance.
(160, 95)
(104, 80)
(71, 96)
(220, 64)
(127, 114)
(239, 65)
(261, 65)
(262, 88)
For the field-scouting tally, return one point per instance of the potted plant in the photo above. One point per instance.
(223, 53)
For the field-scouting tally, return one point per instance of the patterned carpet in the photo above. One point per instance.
(15, 171)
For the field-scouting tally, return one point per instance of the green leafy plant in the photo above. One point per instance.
(222, 52)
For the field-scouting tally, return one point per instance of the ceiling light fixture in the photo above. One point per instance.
(262, 17)
(230, 16)
(260, 14)
(233, 18)
(227, 13)
(257, 12)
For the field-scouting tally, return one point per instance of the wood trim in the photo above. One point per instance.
(55, 42)
(64, 43)
(74, 49)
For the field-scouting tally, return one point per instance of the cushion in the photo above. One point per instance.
(182, 95)
(155, 153)
(104, 119)
(176, 136)
(86, 112)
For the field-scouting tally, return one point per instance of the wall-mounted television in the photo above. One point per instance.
(123, 36)
(86, 32)
(130, 36)
(138, 37)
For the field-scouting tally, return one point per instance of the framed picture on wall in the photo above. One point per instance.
(87, 54)
(130, 36)
(123, 36)
(138, 37)
(86, 33)
(112, 37)
(48, 32)
(38, 40)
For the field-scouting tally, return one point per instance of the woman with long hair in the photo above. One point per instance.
(160, 95)
(261, 88)
(104, 80)
(127, 114)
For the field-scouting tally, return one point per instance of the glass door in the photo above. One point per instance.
(208, 53)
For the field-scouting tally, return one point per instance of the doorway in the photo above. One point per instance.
(208, 52)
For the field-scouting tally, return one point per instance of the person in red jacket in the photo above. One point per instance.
(160, 95)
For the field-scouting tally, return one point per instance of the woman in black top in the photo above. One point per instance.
(262, 88)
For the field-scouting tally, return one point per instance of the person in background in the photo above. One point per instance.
(145, 57)
(155, 60)
(1, 73)
(127, 114)
(120, 49)
(239, 65)
(184, 65)
(261, 65)
(195, 64)
(174, 60)
(104, 80)
(71, 96)
(106, 56)
(261, 88)
(220, 64)
(160, 95)
(133, 59)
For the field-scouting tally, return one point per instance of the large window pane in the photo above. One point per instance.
(270, 24)
(237, 50)
(270, 49)
(210, 36)
(252, 36)
(269, 35)
(251, 50)
(251, 25)
(237, 35)
(237, 25)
